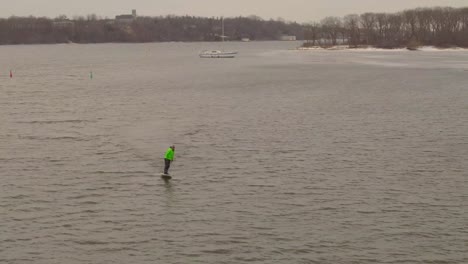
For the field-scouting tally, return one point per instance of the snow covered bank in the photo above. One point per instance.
(347, 48)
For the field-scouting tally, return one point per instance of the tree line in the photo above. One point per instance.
(92, 29)
(439, 26)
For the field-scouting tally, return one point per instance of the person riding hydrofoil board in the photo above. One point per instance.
(168, 159)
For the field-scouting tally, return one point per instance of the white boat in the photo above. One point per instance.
(218, 53)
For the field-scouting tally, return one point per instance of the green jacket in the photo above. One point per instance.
(169, 154)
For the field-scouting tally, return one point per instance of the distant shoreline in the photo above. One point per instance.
(152, 42)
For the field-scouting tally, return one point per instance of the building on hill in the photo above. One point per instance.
(127, 18)
(63, 24)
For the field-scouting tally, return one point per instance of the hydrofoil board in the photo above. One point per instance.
(166, 176)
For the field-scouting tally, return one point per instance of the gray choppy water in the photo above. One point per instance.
(282, 156)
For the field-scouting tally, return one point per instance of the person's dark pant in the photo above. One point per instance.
(167, 164)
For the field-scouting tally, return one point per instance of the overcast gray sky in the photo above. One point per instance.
(294, 10)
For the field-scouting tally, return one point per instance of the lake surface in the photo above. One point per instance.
(282, 156)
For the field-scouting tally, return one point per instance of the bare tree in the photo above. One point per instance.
(312, 34)
(351, 24)
(331, 28)
(368, 24)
